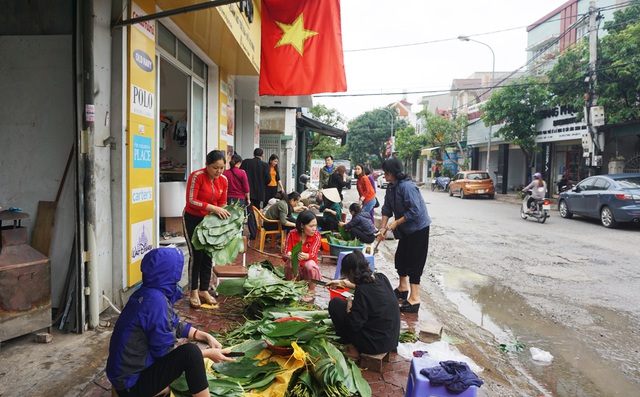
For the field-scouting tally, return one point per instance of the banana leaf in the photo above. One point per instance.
(217, 387)
(285, 328)
(246, 367)
(361, 385)
(233, 286)
(295, 262)
(344, 233)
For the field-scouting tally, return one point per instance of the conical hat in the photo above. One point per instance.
(332, 194)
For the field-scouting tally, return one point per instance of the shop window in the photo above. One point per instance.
(198, 67)
(166, 40)
(184, 54)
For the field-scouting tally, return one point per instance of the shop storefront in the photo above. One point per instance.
(181, 104)
(559, 135)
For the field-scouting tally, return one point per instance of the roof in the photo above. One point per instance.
(321, 128)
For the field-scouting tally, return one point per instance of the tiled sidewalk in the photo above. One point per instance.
(391, 381)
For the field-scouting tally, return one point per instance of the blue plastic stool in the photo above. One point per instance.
(341, 255)
(419, 386)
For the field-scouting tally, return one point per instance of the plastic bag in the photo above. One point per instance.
(437, 351)
(540, 355)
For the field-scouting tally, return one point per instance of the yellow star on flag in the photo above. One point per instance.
(295, 34)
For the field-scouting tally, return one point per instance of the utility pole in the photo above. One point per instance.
(593, 142)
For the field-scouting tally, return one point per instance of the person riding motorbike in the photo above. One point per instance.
(538, 188)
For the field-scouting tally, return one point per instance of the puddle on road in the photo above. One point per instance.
(576, 370)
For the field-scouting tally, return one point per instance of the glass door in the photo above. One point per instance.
(197, 144)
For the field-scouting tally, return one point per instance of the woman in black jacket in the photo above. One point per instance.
(339, 179)
(370, 320)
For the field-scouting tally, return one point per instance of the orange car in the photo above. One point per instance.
(472, 183)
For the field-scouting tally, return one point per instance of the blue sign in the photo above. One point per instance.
(141, 152)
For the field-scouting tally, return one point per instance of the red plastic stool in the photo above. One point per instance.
(419, 386)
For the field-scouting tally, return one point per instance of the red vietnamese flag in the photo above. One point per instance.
(301, 48)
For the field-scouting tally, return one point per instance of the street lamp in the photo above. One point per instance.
(391, 137)
(493, 72)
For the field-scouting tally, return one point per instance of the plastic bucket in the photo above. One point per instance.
(325, 244)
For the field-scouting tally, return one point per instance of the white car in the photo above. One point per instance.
(382, 182)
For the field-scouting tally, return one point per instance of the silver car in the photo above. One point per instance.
(613, 199)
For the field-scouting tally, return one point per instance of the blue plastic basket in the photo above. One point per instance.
(336, 249)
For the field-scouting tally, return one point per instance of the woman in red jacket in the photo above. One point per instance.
(206, 194)
(306, 231)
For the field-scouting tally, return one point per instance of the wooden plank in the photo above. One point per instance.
(43, 227)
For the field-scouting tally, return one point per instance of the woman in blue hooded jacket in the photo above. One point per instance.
(142, 358)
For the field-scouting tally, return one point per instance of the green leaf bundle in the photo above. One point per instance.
(221, 238)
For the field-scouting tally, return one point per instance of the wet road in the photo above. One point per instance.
(568, 287)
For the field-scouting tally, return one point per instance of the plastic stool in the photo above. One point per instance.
(342, 254)
(418, 385)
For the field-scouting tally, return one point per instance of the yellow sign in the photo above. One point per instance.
(141, 164)
(247, 33)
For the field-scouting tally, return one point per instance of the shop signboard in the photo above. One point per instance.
(141, 164)
(559, 124)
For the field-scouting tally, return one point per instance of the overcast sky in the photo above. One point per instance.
(431, 66)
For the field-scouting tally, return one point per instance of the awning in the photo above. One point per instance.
(321, 128)
(427, 151)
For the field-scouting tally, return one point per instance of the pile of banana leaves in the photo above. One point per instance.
(263, 287)
(326, 371)
(347, 243)
(221, 238)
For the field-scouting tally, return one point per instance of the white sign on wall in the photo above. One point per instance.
(559, 124)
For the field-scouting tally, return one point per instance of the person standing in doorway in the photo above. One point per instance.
(206, 194)
(258, 175)
(275, 184)
(238, 182)
(405, 204)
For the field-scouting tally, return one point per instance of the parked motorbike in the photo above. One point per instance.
(440, 183)
(311, 190)
(539, 208)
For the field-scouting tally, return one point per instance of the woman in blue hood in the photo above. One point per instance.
(142, 358)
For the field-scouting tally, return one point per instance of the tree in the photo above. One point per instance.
(368, 134)
(518, 105)
(320, 146)
(442, 131)
(618, 70)
(408, 145)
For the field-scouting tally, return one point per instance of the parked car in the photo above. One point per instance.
(381, 181)
(472, 183)
(377, 173)
(611, 198)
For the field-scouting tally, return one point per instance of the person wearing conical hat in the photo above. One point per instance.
(331, 209)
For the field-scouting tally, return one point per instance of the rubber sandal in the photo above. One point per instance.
(206, 298)
(308, 299)
(407, 307)
(401, 294)
(194, 303)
